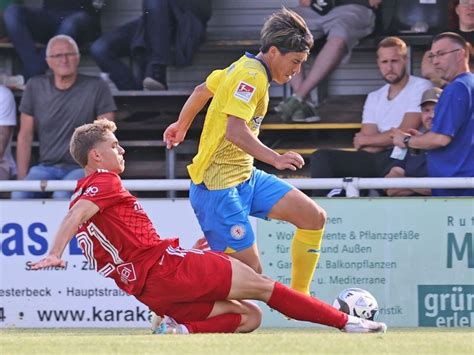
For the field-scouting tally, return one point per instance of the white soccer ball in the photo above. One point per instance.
(357, 302)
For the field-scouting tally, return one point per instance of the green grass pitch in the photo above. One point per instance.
(404, 341)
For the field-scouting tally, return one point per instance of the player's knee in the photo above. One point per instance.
(321, 216)
(316, 218)
(251, 318)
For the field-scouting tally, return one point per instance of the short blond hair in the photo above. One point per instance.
(393, 41)
(87, 136)
(287, 31)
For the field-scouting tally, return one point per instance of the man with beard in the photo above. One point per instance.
(394, 105)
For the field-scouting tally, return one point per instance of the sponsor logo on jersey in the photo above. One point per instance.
(91, 191)
(256, 122)
(253, 74)
(244, 91)
(137, 207)
(237, 231)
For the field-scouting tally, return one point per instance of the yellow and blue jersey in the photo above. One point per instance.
(241, 90)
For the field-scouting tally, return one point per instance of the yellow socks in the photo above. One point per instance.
(305, 250)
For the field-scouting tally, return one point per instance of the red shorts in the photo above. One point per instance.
(184, 284)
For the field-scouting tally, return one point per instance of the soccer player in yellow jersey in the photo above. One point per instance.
(225, 187)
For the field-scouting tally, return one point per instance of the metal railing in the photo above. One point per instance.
(352, 186)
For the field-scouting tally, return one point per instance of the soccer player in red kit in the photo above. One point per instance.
(199, 291)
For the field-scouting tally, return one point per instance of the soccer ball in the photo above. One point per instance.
(357, 302)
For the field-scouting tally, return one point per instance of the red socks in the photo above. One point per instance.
(291, 303)
(224, 323)
(299, 306)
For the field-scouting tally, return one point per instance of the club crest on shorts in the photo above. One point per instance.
(237, 231)
(127, 272)
(244, 91)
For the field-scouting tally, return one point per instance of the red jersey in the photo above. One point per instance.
(119, 240)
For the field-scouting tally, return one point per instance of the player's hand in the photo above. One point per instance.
(289, 160)
(50, 260)
(173, 135)
(201, 244)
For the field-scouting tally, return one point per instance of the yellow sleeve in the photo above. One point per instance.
(213, 80)
(245, 92)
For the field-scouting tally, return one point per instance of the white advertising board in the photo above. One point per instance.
(415, 255)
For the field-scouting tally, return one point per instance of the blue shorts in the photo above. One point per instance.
(224, 214)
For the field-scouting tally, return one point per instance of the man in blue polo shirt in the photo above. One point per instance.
(451, 140)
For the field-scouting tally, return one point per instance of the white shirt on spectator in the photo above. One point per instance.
(385, 113)
(8, 118)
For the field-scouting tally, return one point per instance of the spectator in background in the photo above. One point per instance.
(3, 31)
(7, 124)
(461, 21)
(149, 39)
(450, 143)
(27, 26)
(414, 164)
(343, 23)
(53, 106)
(396, 104)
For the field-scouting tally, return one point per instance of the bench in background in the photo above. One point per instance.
(233, 29)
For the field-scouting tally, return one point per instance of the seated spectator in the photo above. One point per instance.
(450, 142)
(27, 26)
(7, 124)
(53, 106)
(396, 104)
(461, 21)
(414, 164)
(149, 39)
(343, 25)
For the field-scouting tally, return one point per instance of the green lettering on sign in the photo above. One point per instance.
(466, 250)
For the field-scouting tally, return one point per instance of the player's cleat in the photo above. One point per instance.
(359, 325)
(166, 325)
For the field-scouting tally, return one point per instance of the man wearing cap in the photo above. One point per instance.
(450, 142)
(414, 163)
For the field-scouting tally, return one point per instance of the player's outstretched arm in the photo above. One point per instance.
(78, 214)
(176, 132)
(239, 134)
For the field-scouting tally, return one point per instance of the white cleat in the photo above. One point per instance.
(359, 325)
(166, 325)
